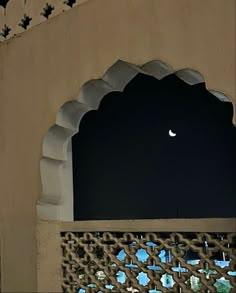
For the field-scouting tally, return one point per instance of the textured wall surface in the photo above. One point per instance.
(45, 67)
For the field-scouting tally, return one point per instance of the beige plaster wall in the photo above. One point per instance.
(45, 67)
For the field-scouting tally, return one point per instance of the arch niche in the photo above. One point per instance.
(56, 202)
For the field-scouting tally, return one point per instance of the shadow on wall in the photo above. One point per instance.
(159, 149)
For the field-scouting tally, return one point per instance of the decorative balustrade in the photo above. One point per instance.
(156, 261)
(16, 16)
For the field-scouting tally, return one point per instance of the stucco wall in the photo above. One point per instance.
(45, 67)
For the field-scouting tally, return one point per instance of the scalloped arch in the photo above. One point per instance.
(56, 202)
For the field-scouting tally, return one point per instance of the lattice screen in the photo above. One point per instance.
(148, 262)
(16, 16)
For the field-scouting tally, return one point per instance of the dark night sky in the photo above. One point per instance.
(126, 166)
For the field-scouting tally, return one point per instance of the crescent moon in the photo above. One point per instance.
(171, 133)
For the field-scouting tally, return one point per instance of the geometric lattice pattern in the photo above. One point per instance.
(16, 16)
(148, 262)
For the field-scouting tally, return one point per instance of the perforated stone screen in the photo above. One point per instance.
(16, 16)
(148, 262)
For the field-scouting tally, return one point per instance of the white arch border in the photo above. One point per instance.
(56, 201)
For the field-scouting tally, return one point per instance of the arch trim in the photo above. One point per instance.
(56, 201)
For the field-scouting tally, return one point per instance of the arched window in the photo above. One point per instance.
(155, 143)
(158, 149)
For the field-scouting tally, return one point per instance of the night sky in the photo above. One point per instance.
(126, 166)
